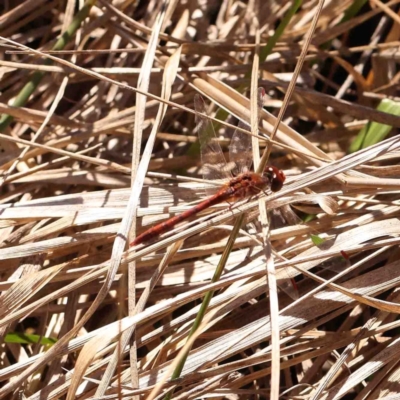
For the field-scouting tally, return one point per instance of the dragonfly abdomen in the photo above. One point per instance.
(165, 226)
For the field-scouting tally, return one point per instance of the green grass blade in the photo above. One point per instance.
(23, 96)
(279, 30)
(353, 10)
(24, 338)
(207, 298)
(375, 132)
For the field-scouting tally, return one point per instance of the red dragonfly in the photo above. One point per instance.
(239, 184)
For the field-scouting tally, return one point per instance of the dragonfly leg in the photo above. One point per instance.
(266, 194)
(230, 206)
(249, 199)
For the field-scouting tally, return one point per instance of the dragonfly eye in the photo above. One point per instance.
(276, 178)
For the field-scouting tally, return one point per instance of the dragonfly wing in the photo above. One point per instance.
(214, 165)
(240, 149)
(240, 152)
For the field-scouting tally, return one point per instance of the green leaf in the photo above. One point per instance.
(375, 132)
(279, 30)
(24, 338)
(317, 241)
(353, 10)
(308, 217)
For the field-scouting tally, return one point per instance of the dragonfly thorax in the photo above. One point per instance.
(250, 184)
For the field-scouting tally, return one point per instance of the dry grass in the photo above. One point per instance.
(89, 161)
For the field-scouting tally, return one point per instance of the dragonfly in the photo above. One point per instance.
(239, 182)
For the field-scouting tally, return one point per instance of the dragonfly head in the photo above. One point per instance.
(275, 176)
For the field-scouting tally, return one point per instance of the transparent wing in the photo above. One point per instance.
(240, 151)
(214, 164)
